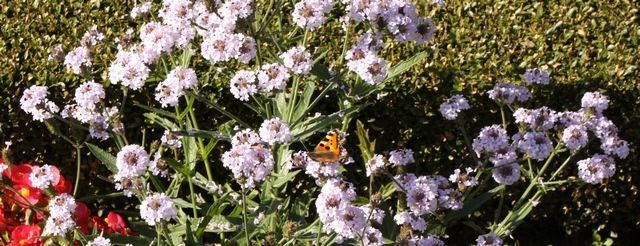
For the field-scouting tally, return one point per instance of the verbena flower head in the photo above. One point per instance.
(374, 164)
(417, 223)
(453, 106)
(132, 161)
(128, 69)
(156, 208)
(140, 10)
(158, 166)
(575, 136)
(235, 9)
(218, 47)
(169, 91)
(490, 139)
(243, 85)
(506, 174)
(88, 94)
(542, 118)
(34, 101)
(272, 77)
(246, 136)
(536, 76)
(322, 171)
(43, 177)
(275, 131)
(489, 239)
(597, 168)
(430, 240)
(59, 226)
(61, 210)
(61, 205)
(464, 178)
(91, 37)
(372, 69)
(615, 146)
(425, 30)
(99, 241)
(310, 14)
(504, 155)
(401, 157)
(78, 60)
(373, 237)
(536, 144)
(298, 60)
(177, 12)
(422, 196)
(171, 140)
(249, 164)
(509, 93)
(596, 101)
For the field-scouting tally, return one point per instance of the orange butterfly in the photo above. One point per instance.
(329, 149)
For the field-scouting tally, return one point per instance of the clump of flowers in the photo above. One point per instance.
(156, 208)
(453, 106)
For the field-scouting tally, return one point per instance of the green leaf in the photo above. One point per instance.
(183, 169)
(284, 178)
(105, 157)
(367, 147)
(156, 110)
(303, 105)
(203, 134)
(405, 65)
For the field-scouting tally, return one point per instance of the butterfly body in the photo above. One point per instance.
(329, 149)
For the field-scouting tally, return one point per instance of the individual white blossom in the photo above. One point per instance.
(275, 131)
(401, 157)
(156, 208)
(43, 177)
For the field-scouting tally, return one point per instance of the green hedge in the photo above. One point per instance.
(586, 45)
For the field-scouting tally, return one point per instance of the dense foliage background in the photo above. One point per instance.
(586, 45)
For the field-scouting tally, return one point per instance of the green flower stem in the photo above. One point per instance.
(78, 163)
(504, 118)
(467, 141)
(244, 215)
(189, 179)
(207, 166)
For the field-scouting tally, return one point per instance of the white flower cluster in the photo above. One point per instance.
(399, 18)
(374, 164)
(43, 177)
(596, 101)
(171, 140)
(509, 93)
(275, 131)
(494, 141)
(297, 60)
(463, 178)
(220, 43)
(536, 76)
(489, 239)
(87, 109)
(542, 118)
(362, 59)
(310, 14)
(79, 59)
(169, 91)
(156, 208)
(34, 101)
(60, 221)
(99, 241)
(132, 162)
(597, 168)
(336, 211)
(140, 10)
(401, 157)
(453, 106)
(249, 160)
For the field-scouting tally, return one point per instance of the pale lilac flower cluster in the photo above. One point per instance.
(506, 174)
(463, 178)
(272, 77)
(489, 239)
(490, 139)
(536, 76)
(43, 177)
(430, 240)
(156, 208)
(597, 168)
(79, 58)
(275, 131)
(297, 60)
(243, 85)
(535, 144)
(376, 163)
(401, 157)
(34, 101)
(140, 10)
(297, 160)
(87, 109)
(223, 46)
(453, 106)
(399, 18)
(60, 221)
(171, 140)
(310, 14)
(99, 241)
(595, 101)
(417, 223)
(542, 118)
(336, 211)
(509, 93)
(169, 91)
(250, 162)
(362, 59)
(426, 193)
(128, 69)
(158, 166)
(132, 162)
(575, 137)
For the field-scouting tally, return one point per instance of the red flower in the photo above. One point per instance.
(26, 235)
(116, 223)
(32, 195)
(19, 174)
(63, 185)
(82, 214)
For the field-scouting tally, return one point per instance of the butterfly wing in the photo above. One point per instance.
(328, 150)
